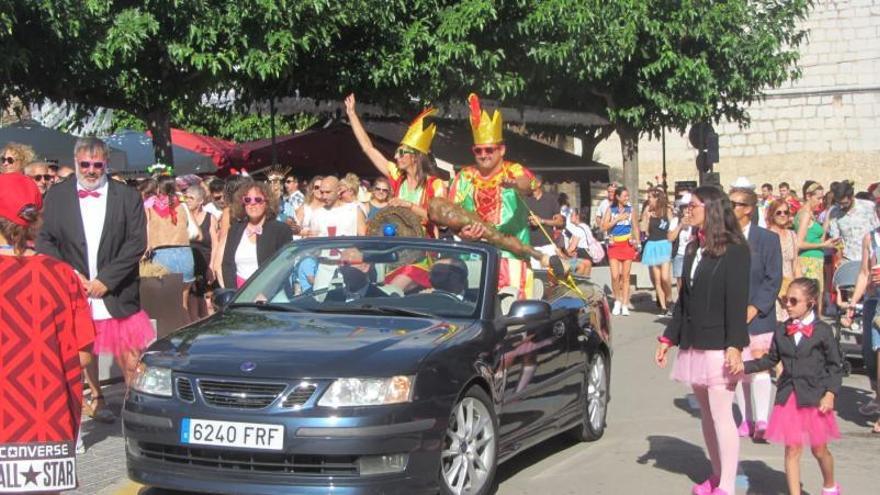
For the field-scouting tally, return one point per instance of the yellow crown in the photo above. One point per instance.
(485, 130)
(418, 136)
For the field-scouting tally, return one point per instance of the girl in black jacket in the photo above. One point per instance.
(805, 391)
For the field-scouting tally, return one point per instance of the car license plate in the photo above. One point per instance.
(232, 434)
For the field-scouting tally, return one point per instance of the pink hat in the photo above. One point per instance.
(19, 191)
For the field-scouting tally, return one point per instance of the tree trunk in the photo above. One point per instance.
(629, 147)
(159, 124)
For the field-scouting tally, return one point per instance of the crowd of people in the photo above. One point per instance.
(89, 238)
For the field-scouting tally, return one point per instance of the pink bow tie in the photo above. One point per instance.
(796, 326)
(257, 230)
(82, 193)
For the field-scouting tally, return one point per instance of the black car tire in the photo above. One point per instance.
(595, 398)
(476, 398)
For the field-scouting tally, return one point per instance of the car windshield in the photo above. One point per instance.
(347, 275)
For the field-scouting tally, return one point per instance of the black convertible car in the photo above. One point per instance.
(368, 365)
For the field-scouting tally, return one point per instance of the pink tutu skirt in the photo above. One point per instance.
(761, 342)
(702, 368)
(795, 426)
(118, 335)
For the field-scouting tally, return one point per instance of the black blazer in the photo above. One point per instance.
(810, 368)
(765, 278)
(122, 245)
(275, 236)
(711, 310)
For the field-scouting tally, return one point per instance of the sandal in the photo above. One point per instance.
(101, 413)
(876, 429)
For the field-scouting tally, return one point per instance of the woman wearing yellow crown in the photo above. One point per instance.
(494, 188)
(412, 174)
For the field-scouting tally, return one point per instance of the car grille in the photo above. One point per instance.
(185, 389)
(242, 395)
(300, 395)
(271, 462)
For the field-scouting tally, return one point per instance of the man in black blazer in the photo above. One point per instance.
(765, 279)
(98, 226)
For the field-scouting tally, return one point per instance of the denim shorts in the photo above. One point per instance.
(677, 265)
(177, 260)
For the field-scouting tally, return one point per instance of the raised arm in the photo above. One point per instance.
(375, 156)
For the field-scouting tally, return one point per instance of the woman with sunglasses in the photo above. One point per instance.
(413, 175)
(168, 235)
(811, 235)
(254, 234)
(779, 220)
(14, 157)
(709, 327)
(381, 192)
(305, 214)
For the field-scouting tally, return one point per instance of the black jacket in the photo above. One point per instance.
(275, 236)
(765, 278)
(123, 241)
(810, 368)
(711, 310)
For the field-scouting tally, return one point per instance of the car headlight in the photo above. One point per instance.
(368, 391)
(152, 380)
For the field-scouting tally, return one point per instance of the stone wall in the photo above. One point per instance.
(824, 127)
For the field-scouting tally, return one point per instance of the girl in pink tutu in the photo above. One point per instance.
(805, 391)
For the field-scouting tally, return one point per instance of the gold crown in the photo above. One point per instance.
(485, 130)
(418, 136)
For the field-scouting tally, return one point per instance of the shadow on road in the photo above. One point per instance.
(677, 456)
(533, 456)
(848, 403)
(764, 480)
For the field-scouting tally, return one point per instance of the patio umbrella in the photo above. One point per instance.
(51, 144)
(139, 147)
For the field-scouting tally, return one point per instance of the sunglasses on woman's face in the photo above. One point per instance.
(791, 301)
(782, 213)
(257, 200)
(403, 151)
(9, 159)
(42, 177)
(381, 189)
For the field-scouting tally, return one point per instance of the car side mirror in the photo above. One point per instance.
(222, 297)
(523, 312)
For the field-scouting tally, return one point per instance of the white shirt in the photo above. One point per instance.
(806, 321)
(684, 236)
(93, 210)
(600, 211)
(582, 232)
(697, 259)
(343, 218)
(246, 258)
(746, 230)
(212, 209)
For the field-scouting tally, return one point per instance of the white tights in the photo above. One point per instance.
(760, 390)
(719, 433)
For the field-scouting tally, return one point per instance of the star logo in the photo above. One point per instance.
(30, 476)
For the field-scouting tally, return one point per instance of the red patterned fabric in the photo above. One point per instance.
(45, 322)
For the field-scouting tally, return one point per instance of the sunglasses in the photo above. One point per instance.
(484, 150)
(42, 177)
(9, 159)
(381, 189)
(791, 301)
(273, 179)
(694, 204)
(290, 181)
(257, 200)
(403, 151)
(95, 165)
(782, 213)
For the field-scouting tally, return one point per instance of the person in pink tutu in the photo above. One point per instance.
(803, 413)
(709, 327)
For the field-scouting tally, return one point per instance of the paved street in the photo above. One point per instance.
(653, 442)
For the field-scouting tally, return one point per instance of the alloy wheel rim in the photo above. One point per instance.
(597, 390)
(469, 448)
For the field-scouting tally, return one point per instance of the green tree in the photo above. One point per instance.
(151, 57)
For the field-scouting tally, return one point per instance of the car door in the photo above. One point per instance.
(533, 358)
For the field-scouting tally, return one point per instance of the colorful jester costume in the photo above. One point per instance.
(494, 203)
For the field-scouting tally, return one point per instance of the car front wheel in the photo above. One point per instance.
(595, 400)
(469, 458)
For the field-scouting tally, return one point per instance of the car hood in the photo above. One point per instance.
(302, 345)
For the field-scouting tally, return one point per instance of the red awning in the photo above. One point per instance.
(218, 150)
(330, 150)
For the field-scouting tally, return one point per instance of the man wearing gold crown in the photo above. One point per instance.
(413, 174)
(494, 188)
